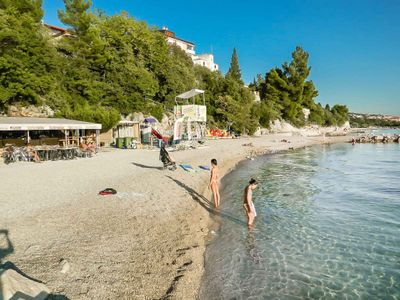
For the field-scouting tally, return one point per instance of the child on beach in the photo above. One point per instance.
(248, 202)
(214, 182)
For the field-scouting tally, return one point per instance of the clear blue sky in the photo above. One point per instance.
(353, 45)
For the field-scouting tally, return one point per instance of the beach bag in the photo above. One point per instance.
(108, 191)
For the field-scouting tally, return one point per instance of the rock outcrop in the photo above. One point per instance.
(281, 126)
(30, 111)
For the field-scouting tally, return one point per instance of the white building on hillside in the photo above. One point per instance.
(186, 46)
(205, 60)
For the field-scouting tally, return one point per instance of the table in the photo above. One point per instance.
(56, 153)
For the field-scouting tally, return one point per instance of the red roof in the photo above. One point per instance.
(171, 35)
(55, 27)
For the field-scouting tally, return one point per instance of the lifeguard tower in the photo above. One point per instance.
(190, 117)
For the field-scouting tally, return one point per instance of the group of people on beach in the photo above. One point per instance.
(248, 204)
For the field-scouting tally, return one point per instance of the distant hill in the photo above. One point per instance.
(366, 120)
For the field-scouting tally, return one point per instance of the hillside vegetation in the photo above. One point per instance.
(115, 65)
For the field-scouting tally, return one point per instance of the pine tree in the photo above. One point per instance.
(234, 69)
(31, 7)
(77, 15)
(300, 92)
(28, 63)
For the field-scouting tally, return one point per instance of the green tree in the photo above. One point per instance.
(22, 7)
(77, 15)
(287, 91)
(28, 63)
(113, 65)
(317, 115)
(108, 117)
(340, 113)
(301, 92)
(234, 72)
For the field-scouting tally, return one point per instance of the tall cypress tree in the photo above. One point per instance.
(234, 70)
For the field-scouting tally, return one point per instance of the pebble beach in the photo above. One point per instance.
(145, 242)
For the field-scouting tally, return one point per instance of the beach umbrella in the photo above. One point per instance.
(150, 120)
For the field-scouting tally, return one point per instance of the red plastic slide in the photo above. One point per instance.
(158, 135)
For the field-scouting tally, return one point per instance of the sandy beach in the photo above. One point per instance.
(146, 242)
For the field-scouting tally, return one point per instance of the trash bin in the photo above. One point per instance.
(127, 142)
(120, 143)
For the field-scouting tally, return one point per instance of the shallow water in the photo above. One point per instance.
(378, 131)
(328, 227)
(384, 131)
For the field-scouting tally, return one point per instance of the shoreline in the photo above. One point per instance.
(149, 240)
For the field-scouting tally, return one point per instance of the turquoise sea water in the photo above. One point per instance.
(378, 131)
(328, 227)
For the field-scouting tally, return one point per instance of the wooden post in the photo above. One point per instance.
(78, 137)
(28, 139)
(66, 137)
(84, 136)
(97, 138)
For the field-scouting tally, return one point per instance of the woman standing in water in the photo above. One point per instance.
(214, 182)
(248, 202)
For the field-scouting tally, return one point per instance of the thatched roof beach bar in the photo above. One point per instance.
(72, 129)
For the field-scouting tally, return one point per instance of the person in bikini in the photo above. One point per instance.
(248, 202)
(214, 185)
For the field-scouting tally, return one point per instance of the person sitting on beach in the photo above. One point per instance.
(87, 147)
(33, 154)
(248, 202)
(214, 185)
(92, 146)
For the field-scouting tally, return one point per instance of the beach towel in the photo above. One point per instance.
(204, 168)
(187, 168)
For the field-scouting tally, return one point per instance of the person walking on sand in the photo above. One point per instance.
(214, 182)
(248, 202)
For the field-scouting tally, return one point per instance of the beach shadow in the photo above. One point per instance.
(206, 204)
(23, 296)
(6, 248)
(57, 297)
(10, 266)
(147, 167)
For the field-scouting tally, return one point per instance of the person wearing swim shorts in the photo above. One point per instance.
(214, 184)
(248, 202)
